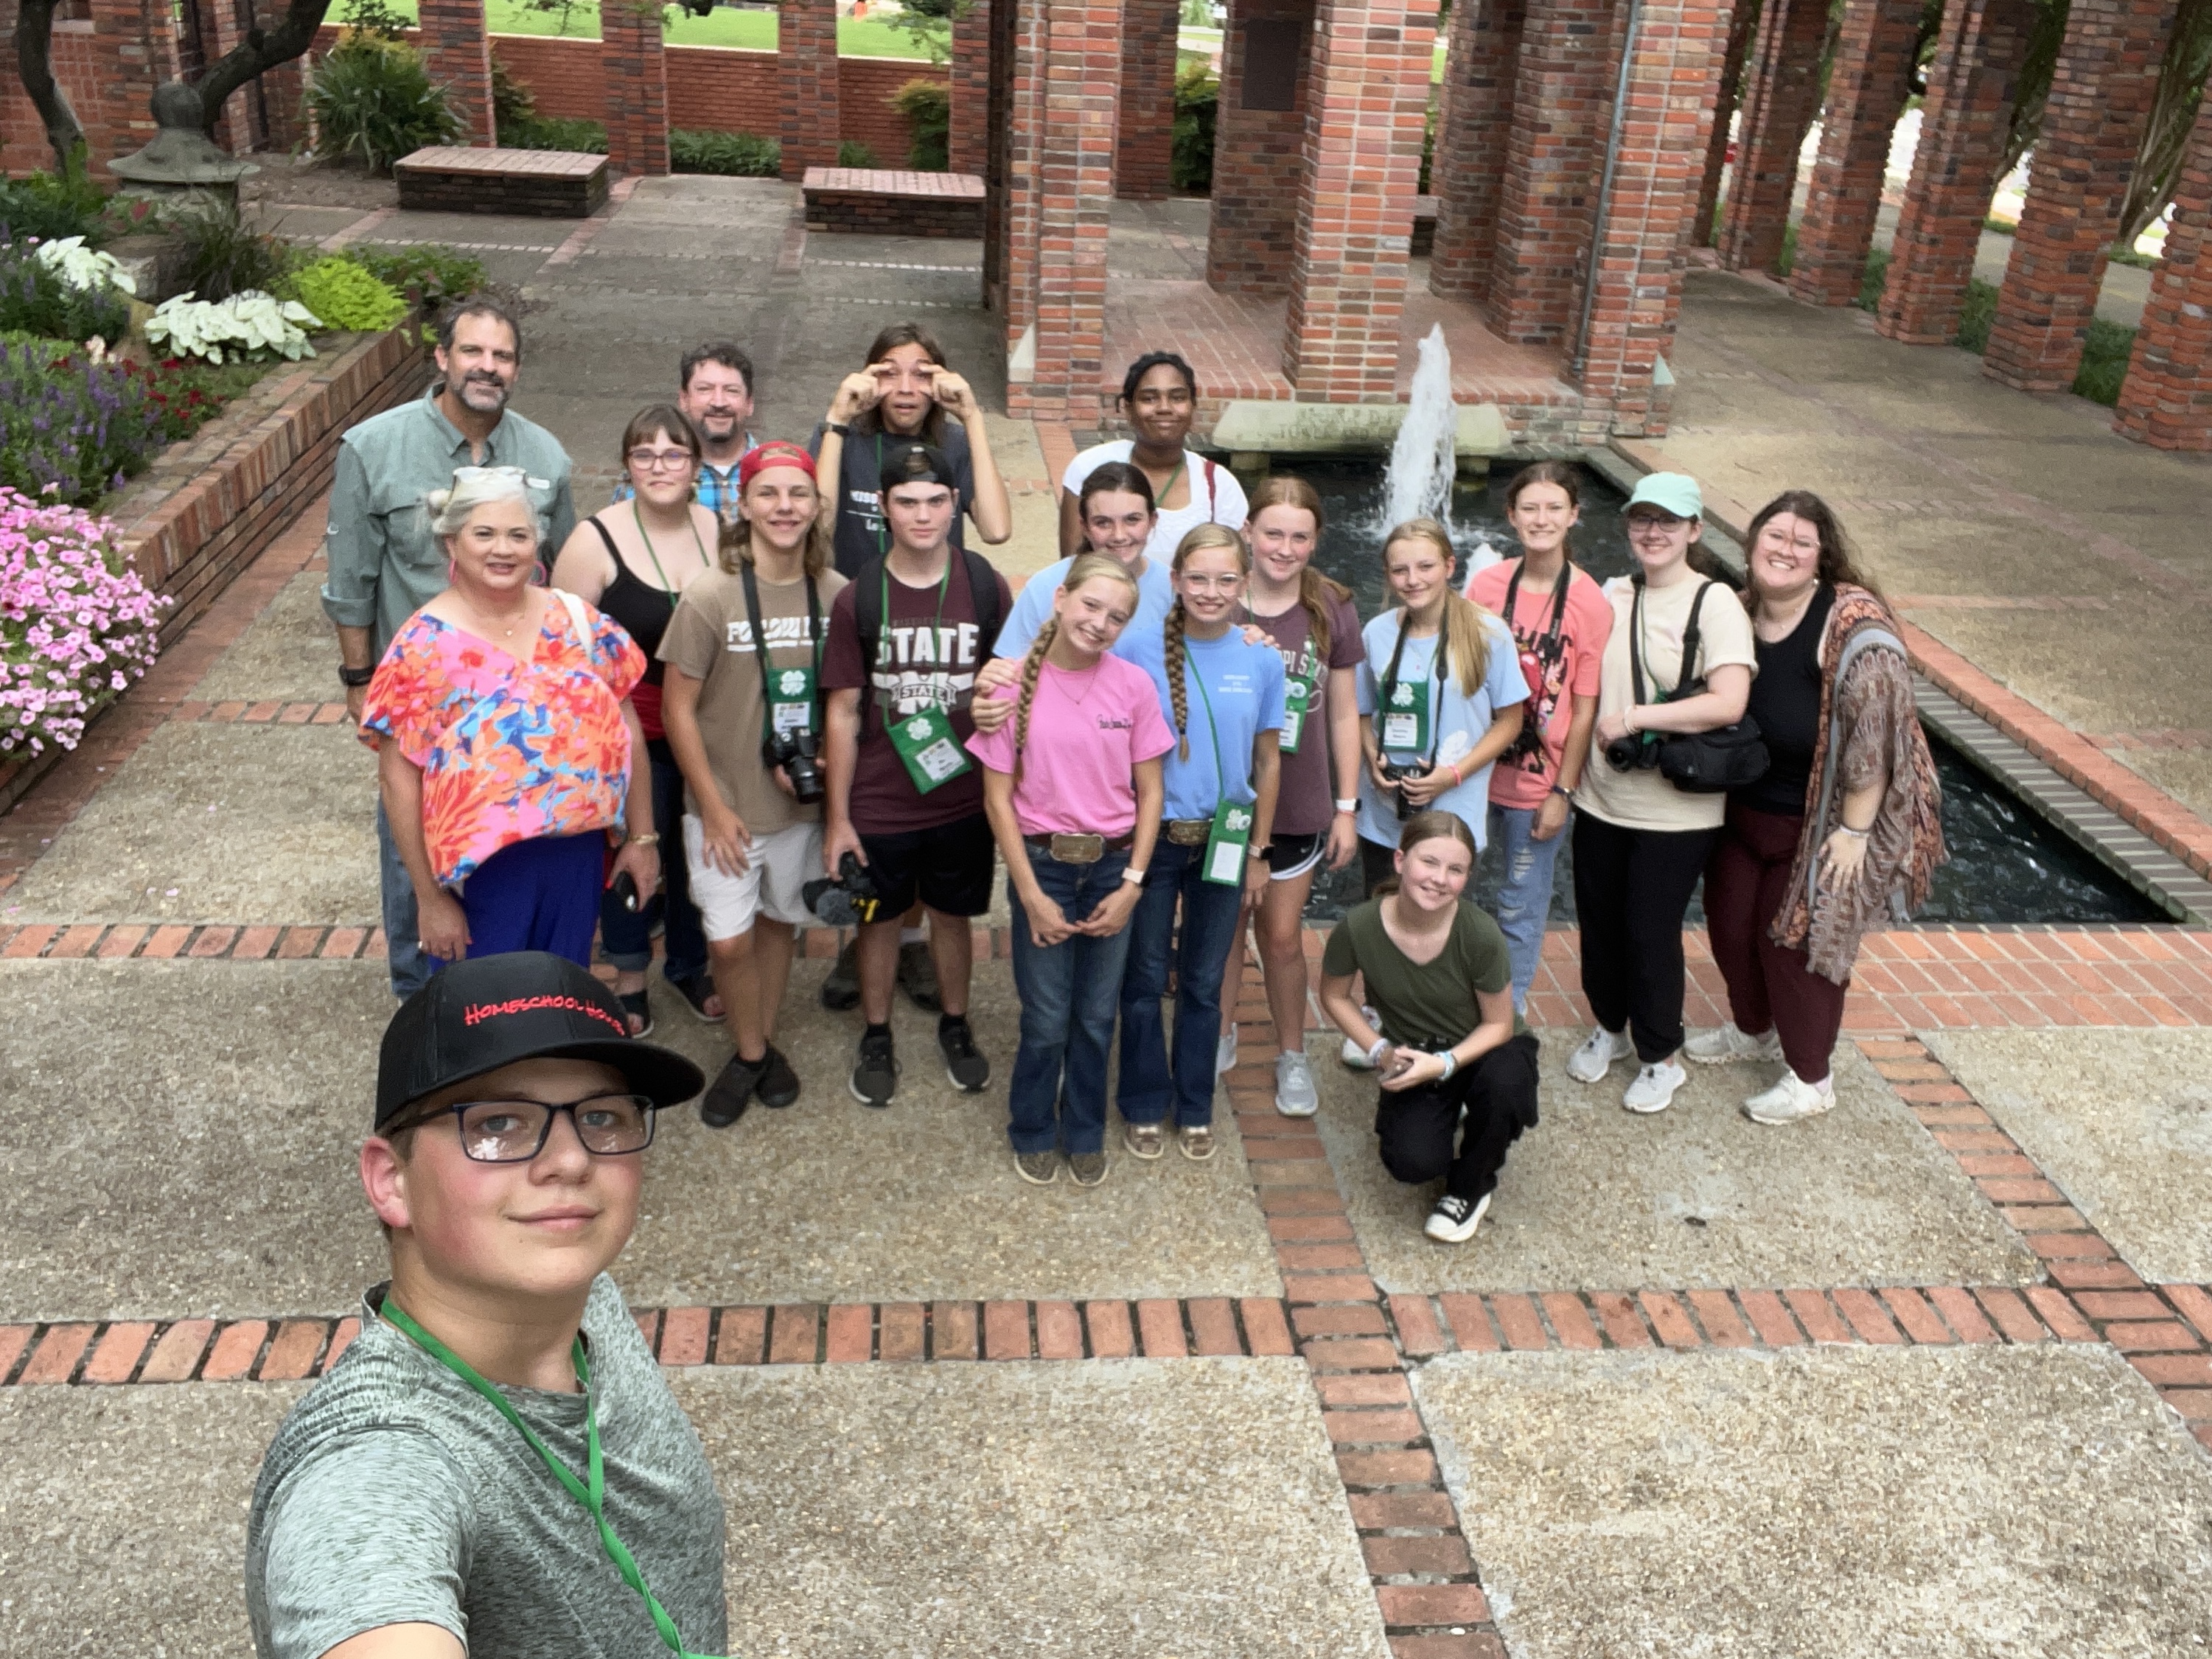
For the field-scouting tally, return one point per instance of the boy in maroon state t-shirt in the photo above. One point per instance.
(905, 639)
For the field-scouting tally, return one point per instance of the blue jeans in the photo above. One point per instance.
(409, 968)
(626, 935)
(1150, 1082)
(1069, 992)
(1524, 890)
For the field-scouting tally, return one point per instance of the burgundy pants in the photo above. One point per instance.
(1770, 988)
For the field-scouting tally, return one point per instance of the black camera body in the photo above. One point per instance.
(1394, 773)
(846, 900)
(1637, 752)
(799, 753)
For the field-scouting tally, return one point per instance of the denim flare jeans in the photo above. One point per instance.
(1149, 1084)
(1070, 992)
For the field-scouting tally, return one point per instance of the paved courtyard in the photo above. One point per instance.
(1931, 1375)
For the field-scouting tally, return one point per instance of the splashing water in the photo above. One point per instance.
(1419, 482)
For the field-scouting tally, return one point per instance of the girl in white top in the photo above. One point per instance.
(1160, 396)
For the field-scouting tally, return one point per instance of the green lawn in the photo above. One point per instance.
(865, 37)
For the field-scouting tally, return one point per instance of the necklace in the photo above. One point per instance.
(483, 620)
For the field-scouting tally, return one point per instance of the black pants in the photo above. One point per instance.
(1631, 888)
(1417, 1127)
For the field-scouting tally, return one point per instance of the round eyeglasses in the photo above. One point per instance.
(661, 460)
(515, 1131)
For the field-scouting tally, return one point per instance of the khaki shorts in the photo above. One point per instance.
(782, 863)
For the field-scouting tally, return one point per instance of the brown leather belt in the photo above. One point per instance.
(1188, 832)
(1078, 849)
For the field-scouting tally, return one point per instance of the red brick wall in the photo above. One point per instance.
(1476, 126)
(1562, 100)
(807, 86)
(108, 64)
(2166, 399)
(1252, 219)
(1867, 89)
(458, 54)
(1702, 232)
(1778, 106)
(635, 64)
(1144, 159)
(969, 141)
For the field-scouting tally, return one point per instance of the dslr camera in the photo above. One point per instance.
(799, 753)
(1395, 773)
(1637, 752)
(848, 900)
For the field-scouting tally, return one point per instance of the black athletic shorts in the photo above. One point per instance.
(1293, 855)
(948, 867)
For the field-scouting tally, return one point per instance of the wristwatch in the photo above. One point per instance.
(1562, 790)
(1255, 851)
(837, 427)
(1351, 806)
(1130, 872)
(354, 678)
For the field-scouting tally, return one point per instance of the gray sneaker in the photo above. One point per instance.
(1086, 1168)
(1039, 1169)
(1295, 1094)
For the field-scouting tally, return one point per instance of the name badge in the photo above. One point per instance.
(792, 710)
(925, 742)
(1298, 700)
(1227, 846)
(1406, 720)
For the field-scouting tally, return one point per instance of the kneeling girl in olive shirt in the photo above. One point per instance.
(1440, 979)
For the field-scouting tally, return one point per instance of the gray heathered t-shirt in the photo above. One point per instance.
(394, 1493)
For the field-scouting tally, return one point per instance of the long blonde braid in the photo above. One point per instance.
(1200, 536)
(1083, 567)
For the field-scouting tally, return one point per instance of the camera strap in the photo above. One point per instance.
(1691, 641)
(591, 1493)
(785, 706)
(1437, 669)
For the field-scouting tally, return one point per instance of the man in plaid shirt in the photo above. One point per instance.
(716, 396)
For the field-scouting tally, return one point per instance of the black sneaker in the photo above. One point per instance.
(842, 990)
(875, 1071)
(964, 1063)
(729, 1094)
(779, 1085)
(917, 976)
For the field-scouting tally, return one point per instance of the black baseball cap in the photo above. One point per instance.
(488, 1012)
(915, 463)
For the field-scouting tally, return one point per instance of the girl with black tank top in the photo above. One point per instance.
(632, 559)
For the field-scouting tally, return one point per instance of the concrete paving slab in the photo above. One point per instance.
(1188, 1508)
(301, 221)
(207, 823)
(1854, 1503)
(830, 1200)
(126, 1517)
(2120, 1120)
(179, 1137)
(288, 654)
(1596, 1198)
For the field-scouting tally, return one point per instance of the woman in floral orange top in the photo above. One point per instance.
(501, 718)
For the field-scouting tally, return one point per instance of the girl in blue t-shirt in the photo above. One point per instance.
(1441, 691)
(1224, 698)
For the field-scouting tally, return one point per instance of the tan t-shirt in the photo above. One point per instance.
(1643, 800)
(710, 639)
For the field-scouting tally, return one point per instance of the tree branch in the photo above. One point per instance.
(260, 52)
(34, 63)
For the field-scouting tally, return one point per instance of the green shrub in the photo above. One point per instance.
(344, 296)
(1197, 100)
(2104, 356)
(739, 154)
(428, 276)
(1976, 313)
(223, 254)
(1875, 279)
(1428, 150)
(554, 132)
(511, 99)
(853, 154)
(50, 208)
(928, 106)
(36, 299)
(373, 100)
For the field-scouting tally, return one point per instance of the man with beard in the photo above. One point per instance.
(385, 564)
(714, 391)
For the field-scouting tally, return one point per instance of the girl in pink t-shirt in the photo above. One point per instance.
(1072, 785)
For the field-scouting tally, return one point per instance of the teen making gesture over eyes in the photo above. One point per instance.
(1310, 621)
(1073, 787)
(1225, 698)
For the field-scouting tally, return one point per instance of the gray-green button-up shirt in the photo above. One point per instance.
(385, 564)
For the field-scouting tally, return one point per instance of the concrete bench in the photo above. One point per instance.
(550, 184)
(883, 202)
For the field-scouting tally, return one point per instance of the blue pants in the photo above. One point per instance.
(1524, 890)
(1070, 991)
(628, 934)
(1149, 1084)
(538, 894)
(409, 968)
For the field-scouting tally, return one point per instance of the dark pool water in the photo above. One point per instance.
(2007, 864)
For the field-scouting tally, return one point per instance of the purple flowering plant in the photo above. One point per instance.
(77, 624)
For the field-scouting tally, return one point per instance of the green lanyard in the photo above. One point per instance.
(1167, 488)
(592, 1497)
(666, 586)
(1220, 772)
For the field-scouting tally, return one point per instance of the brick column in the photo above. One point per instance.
(1480, 63)
(636, 65)
(1259, 139)
(1674, 78)
(1366, 105)
(806, 73)
(1970, 87)
(2166, 399)
(458, 53)
(1563, 93)
(970, 81)
(1779, 102)
(2093, 124)
(1065, 114)
(1143, 161)
(1867, 89)
(1703, 232)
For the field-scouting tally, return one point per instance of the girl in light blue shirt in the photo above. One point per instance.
(1441, 693)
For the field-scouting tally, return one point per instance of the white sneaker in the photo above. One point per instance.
(1725, 1043)
(1355, 1056)
(1453, 1220)
(1224, 1052)
(1295, 1094)
(1590, 1063)
(1653, 1089)
(1791, 1101)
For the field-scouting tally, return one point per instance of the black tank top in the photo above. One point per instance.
(642, 609)
(1785, 701)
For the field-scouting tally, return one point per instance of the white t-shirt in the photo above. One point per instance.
(1216, 497)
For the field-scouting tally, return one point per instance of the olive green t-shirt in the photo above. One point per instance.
(1423, 1005)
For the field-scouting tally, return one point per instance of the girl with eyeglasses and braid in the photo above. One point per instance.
(1071, 786)
(1224, 698)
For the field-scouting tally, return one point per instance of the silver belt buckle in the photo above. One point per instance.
(1190, 832)
(1077, 849)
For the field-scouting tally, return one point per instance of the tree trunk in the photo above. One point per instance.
(260, 52)
(34, 63)
(2173, 116)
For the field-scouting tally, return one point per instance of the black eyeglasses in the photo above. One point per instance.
(515, 1131)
